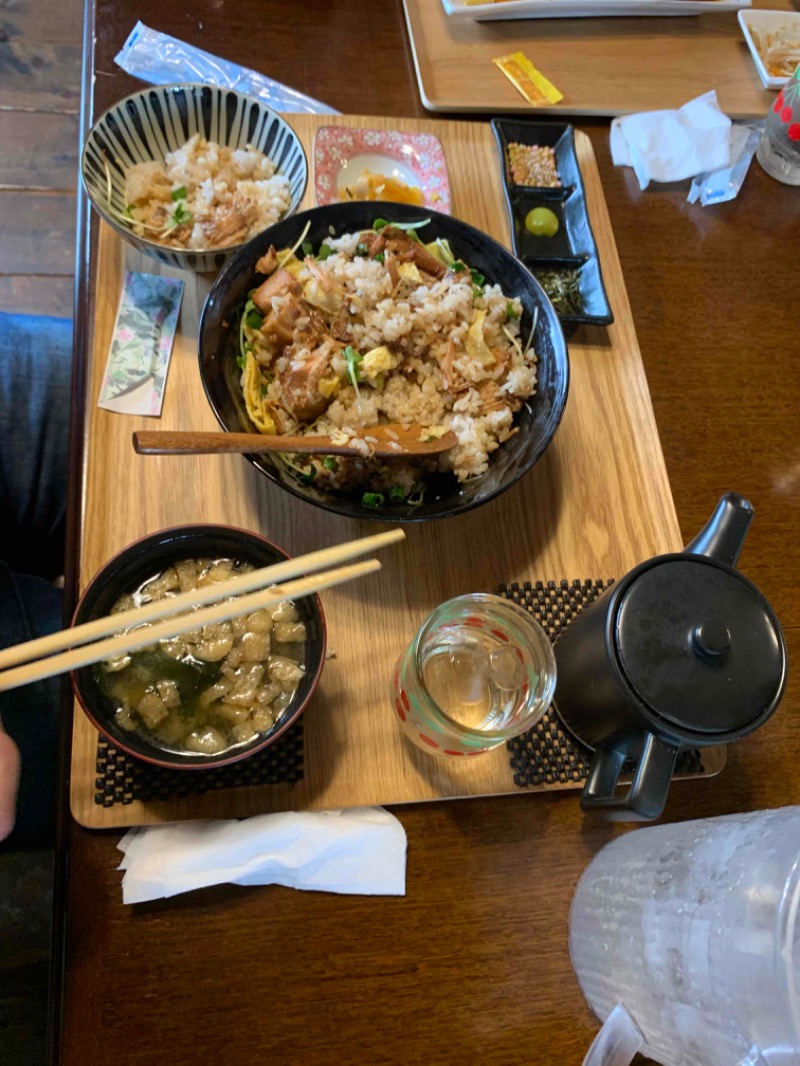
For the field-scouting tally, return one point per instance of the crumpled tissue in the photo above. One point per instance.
(361, 851)
(673, 145)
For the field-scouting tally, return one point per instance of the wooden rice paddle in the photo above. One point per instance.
(384, 442)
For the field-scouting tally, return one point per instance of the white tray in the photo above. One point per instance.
(766, 20)
(562, 9)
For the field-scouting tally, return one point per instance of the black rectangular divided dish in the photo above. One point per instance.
(573, 247)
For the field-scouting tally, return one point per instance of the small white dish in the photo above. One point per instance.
(766, 21)
(377, 163)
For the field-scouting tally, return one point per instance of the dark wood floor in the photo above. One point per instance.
(40, 63)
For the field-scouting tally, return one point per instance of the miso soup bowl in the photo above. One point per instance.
(126, 572)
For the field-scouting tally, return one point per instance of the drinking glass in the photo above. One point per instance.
(778, 150)
(694, 929)
(479, 671)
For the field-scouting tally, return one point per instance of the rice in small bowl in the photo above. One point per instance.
(190, 173)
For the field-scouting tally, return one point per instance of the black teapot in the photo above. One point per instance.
(683, 652)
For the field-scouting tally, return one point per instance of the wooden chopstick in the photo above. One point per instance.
(114, 647)
(151, 612)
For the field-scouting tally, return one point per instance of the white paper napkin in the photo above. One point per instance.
(361, 851)
(673, 145)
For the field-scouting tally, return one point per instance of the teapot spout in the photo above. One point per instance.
(722, 537)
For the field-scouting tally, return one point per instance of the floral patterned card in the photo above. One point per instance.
(136, 372)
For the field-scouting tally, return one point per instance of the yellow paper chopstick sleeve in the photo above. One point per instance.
(533, 85)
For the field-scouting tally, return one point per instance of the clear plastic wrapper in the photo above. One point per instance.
(717, 186)
(161, 59)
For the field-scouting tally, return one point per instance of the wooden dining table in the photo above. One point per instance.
(472, 965)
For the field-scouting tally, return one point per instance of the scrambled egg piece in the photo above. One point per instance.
(429, 433)
(378, 361)
(410, 272)
(316, 295)
(328, 387)
(442, 251)
(254, 388)
(475, 344)
(292, 264)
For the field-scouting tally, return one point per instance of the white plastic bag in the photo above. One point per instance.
(161, 59)
(717, 186)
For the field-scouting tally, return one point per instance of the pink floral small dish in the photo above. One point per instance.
(342, 154)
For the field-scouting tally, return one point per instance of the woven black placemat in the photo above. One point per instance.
(121, 779)
(548, 754)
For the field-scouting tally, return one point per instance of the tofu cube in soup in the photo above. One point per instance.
(214, 687)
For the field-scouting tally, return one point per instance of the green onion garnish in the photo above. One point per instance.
(353, 358)
(241, 359)
(330, 463)
(324, 251)
(445, 251)
(307, 476)
(397, 494)
(510, 312)
(409, 227)
(307, 247)
(253, 319)
(179, 194)
(380, 257)
(458, 267)
(373, 499)
(181, 215)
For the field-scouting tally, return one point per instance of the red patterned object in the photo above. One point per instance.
(415, 158)
(778, 150)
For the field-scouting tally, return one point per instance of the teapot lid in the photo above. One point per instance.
(700, 646)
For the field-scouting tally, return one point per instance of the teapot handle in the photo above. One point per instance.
(645, 797)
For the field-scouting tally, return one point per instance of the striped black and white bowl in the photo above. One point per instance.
(148, 124)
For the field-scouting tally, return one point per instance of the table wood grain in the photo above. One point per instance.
(603, 66)
(472, 966)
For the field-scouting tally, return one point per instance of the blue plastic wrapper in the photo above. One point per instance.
(717, 186)
(161, 60)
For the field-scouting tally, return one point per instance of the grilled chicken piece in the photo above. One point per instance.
(268, 263)
(300, 384)
(408, 250)
(293, 323)
(279, 326)
(231, 224)
(427, 262)
(339, 329)
(394, 275)
(281, 283)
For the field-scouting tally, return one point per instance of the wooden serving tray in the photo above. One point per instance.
(598, 503)
(603, 66)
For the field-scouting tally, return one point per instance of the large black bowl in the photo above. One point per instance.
(537, 421)
(140, 560)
